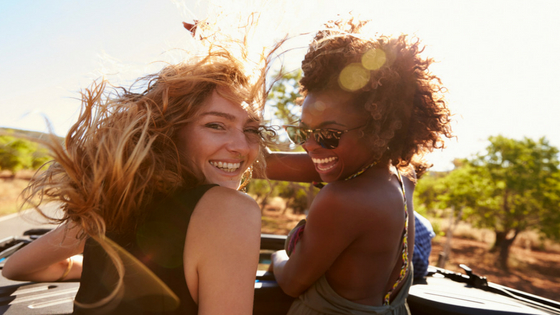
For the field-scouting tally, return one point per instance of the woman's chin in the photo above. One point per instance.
(331, 176)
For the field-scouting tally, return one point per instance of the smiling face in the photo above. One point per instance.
(221, 142)
(333, 111)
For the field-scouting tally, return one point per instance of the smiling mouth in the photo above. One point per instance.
(227, 167)
(325, 164)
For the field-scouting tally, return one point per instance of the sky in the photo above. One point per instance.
(497, 59)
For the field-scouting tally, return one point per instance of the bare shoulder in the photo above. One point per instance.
(364, 192)
(222, 220)
(365, 200)
(334, 195)
(226, 206)
(222, 248)
(222, 199)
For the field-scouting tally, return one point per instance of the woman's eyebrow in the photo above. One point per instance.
(219, 114)
(252, 120)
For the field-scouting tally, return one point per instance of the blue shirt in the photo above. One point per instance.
(422, 245)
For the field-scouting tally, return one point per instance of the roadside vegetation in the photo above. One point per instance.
(18, 153)
(512, 187)
(20, 157)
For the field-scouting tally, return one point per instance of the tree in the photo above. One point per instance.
(283, 97)
(282, 100)
(513, 187)
(299, 196)
(427, 191)
(18, 153)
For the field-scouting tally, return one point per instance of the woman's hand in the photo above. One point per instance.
(279, 257)
(276, 259)
(52, 257)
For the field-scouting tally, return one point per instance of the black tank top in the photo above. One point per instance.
(158, 242)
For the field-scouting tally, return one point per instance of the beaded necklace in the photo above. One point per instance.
(360, 172)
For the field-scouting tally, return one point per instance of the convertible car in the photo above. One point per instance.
(441, 292)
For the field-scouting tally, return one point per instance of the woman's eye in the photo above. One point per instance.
(252, 130)
(214, 126)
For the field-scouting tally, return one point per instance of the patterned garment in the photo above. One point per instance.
(422, 245)
(406, 265)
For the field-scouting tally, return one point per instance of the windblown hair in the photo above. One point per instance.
(123, 149)
(386, 77)
(122, 152)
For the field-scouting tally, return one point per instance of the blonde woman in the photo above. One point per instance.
(157, 173)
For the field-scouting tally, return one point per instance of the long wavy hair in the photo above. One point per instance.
(387, 78)
(122, 152)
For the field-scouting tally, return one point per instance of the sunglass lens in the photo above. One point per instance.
(327, 139)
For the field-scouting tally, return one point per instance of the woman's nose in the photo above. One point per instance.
(239, 143)
(311, 144)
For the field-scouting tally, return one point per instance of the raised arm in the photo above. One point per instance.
(52, 257)
(288, 166)
(222, 252)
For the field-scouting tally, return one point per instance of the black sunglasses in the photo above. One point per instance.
(326, 138)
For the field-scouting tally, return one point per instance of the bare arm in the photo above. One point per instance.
(337, 220)
(222, 252)
(295, 167)
(48, 257)
(326, 236)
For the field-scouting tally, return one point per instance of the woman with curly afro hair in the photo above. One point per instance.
(371, 110)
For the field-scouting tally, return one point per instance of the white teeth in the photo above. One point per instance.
(323, 161)
(228, 167)
(326, 168)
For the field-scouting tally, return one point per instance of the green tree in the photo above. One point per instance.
(282, 100)
(15, 154)
(427, 191)
(18, 153)
(284, 95)
(513, 187)
(39, 157)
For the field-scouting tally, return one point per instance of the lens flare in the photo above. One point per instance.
(353, 77)
(374, 59)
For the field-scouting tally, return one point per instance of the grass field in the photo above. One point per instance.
(10, 188)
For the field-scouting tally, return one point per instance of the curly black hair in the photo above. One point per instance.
(387, 77)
